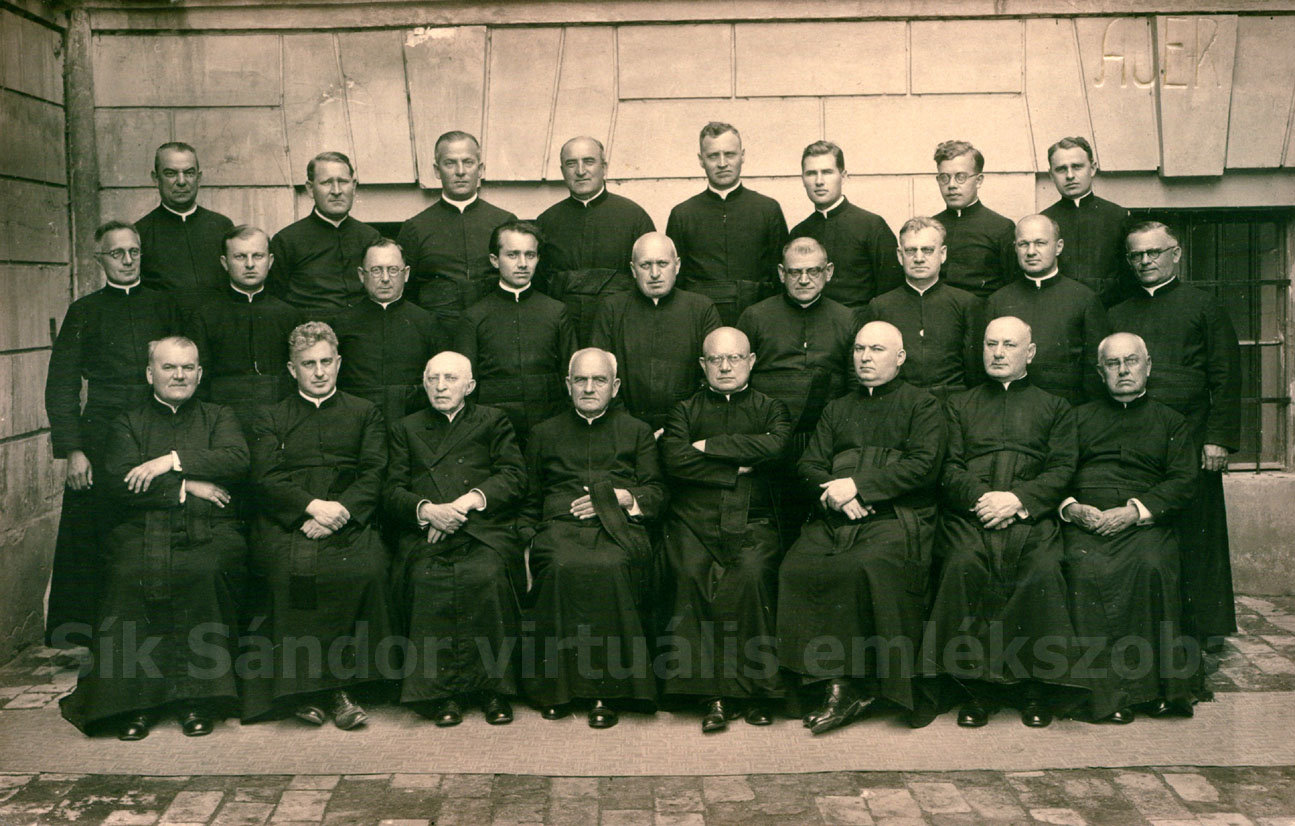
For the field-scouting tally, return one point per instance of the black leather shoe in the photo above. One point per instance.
(347, 713)
(312, 714)
(194, 723)
(758, 714)
(1035, 715)
(600, 716)
(1122, 717)
(555, 712)
(844, 705)
(716, 717)
(973, 715)
(135, 728)
(1165, 708)
(447, 712)
(497, 710)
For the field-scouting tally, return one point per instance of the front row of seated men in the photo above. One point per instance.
(1006, 549)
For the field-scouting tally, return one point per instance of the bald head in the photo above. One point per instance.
(726, 359)
(1125, 342)
(653, 245)
(1124, 365)
(655, 265)
(725, 340)
(447, 378)
(591, 381)
(449, 360)
(882, 331)
(1038, 243)
(1009, 348)
(878, 353)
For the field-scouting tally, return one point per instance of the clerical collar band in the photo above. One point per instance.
(1082, 197)
(317, 402)
(825, 210)
(967, 207)
(922, 290)
(250, 295)
(1038, 280)
(183, 216)
(723, 193)
(327, 220)
(385, 304)
(126, 288)
(454, 414)
(594, 419)
(588, 202)
(460, 205)
(1153, 290)
(516, 291)
(174, 408)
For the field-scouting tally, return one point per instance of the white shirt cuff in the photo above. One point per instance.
(184, 487)
(633, 509)
(422, 523)
(175, 462)
(484, 502)
(1144, 515)
(1065, 503)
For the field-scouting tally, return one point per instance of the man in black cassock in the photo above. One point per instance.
(454, 486)
(447, 244)
(730, 238)
(859, 244)
(104, 339)
(181, 242)
(859, 572)
(1067, 319)
(385, 340)
(518, 339)
(315, 258)
(174, 565)
(242, 331)
(1093, 227)
(1137, 470)
(981, 258)
(1198, 374)
(319, 565)
(588, 237)
(594, 480)
(941, 324)
(721, 537)
(655, 332)
(999, 618)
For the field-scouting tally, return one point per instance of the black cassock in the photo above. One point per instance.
(1196, 370)
(316, 265)
(1124, 588)
(519, 344)
(182, 255)
(459, 596)
(174, 570)
(384, 351)
(1094, 232)
(861, 248)
(982, 257)
(722, 544)
(321, 608)
(1000, 607)
(943, 330)
(592, 587)
(863, 583)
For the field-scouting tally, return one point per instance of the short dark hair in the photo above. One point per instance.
(824, 148)
(382, 243)
(1150, 226)
(111, 226)
(241, 231)
(1076, 142)
(948, 150)
(452, 136)
(716, 128)
(175, 146)
(524, 227)
(335, 157)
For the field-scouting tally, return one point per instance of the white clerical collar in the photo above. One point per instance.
(250, 295)
(728, 397)
(594, 419)
(1153, 290)
(810, 304)
(1082, 197)
(516, 291)
(1127, 402)
(922, 290)
(126, 288)
(825, 210)
(453, 414)
(459, 205)
(316, 401)
(184, 216)
(1038, 280)
(325, 218)
(175, 408)
(967, 207)
(385, 304)
(585, 202)
(723, 193)
(1007, 384)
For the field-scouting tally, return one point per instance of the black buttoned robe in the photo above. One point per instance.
(943, 330)
(384, 351)
(317, 265)
(861, 248)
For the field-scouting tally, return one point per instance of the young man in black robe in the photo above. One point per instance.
(595, 479)
(385, 340)
(981, 258)
(320, 568)
(859, 244)
(180, 241)
(942, 325)
(1137, 470)
(655, 332)
(103, 341)
(1093, 227)
(730, 238)
(588, 237)
(174, 565)
(453, 490)
(447, 245)
(315, 258)
(1198, 374)
(1067, 318)
(999, 624)
(518, 339)
(859, 572)
(721, 538)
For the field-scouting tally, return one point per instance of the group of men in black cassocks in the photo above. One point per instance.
(887, 503)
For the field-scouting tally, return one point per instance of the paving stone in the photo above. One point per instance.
(673, 795)
(572, 811)
(415, 781)
(1059, 817)
(891, 803)
(194, 807)
(839, 810)
(832, 783)
(472, 811)
(780, 795)
(301, 805)
(512, 784)
(678, 819)
(901, 821)
(126, 817)
(1224, 819)
(420, 822)
(257, 794)
(1087, 788)
(625, 793)
(519, 812)
(243, 814)
(1150, 796)
(467, 785)
(13, 781)
(573, 786)
(327, 781)
(726, 789)
(1277, 821)
(625, 817)
(1193, 788)
(939, 798)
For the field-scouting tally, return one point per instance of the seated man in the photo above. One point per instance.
(594, 479)
(721, 536)
(999, 615)
(174, 559)
(453, 488)
(859, 570)
(321, 569)
(1137, 468)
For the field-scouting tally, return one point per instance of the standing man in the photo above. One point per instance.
(941, 324)
(180, 242)
(103, 341)
(1067, 319)
(448, 244)
(720, 448)
(655, 332)
(595, 480)
(1093, 227)
(981, 257)
(1198, 374)
(589, 237)
(454, 485)
(517, 339)
(858, 242)
(385, 341)
(729, 237)
(315, 258)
